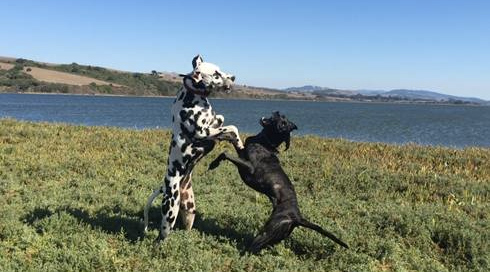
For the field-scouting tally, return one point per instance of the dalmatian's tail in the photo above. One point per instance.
(152, 197)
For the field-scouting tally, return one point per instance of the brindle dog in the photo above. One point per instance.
(260, 169)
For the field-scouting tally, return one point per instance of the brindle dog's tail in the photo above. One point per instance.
(307, 224)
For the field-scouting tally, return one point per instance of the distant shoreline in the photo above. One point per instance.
(255, 99)
(247, 134)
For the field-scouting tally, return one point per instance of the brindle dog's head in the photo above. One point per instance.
(206, 77)
(278, 129)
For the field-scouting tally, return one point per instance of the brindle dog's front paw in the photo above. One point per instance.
(216, 161)
(158, 241)
(214, 164)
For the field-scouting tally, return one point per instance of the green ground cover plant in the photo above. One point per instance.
(72, 198)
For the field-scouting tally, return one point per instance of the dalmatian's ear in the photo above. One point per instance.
(196, 61)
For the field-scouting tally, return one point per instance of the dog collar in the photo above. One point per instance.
(266, 138)
(196, 88)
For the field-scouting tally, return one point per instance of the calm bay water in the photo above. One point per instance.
(455, 126)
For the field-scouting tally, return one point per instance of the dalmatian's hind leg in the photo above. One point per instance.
(187, 202)
(170, 206)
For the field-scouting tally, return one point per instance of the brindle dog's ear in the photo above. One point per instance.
(288, 141)
(196, 61)
(291, 127)
(264, 121)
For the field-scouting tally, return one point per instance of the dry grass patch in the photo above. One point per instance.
(6, 66)
(63, 78)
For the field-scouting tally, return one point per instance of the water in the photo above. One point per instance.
(455, 126)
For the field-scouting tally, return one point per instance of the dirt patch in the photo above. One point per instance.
(63, 78)
(6, 66)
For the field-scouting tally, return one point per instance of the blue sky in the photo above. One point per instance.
(433, 45)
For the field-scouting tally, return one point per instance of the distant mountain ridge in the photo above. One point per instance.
(396, 93)
(423, 94)
(306, 88)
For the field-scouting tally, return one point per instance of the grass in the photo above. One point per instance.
(71, 199)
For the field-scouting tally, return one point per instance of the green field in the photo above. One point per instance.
(72, 197)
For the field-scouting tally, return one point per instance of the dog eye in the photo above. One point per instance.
(217, 75)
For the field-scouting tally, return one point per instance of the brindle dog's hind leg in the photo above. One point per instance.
(275, 230)
(187, 202)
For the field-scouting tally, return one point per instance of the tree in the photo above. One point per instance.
(75, 68)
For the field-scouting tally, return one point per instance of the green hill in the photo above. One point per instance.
(18, 79)
(17, 76)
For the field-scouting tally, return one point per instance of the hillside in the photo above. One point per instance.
(31, 76)
(21, 75)
(399, 95)
(72, 198)
(429, 95)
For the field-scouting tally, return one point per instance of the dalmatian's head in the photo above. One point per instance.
(278, 128)
(207, 77)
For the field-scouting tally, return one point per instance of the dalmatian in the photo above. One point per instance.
(195, 130)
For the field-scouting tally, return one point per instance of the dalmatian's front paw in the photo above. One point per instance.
(228, 136)
(158, 241)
